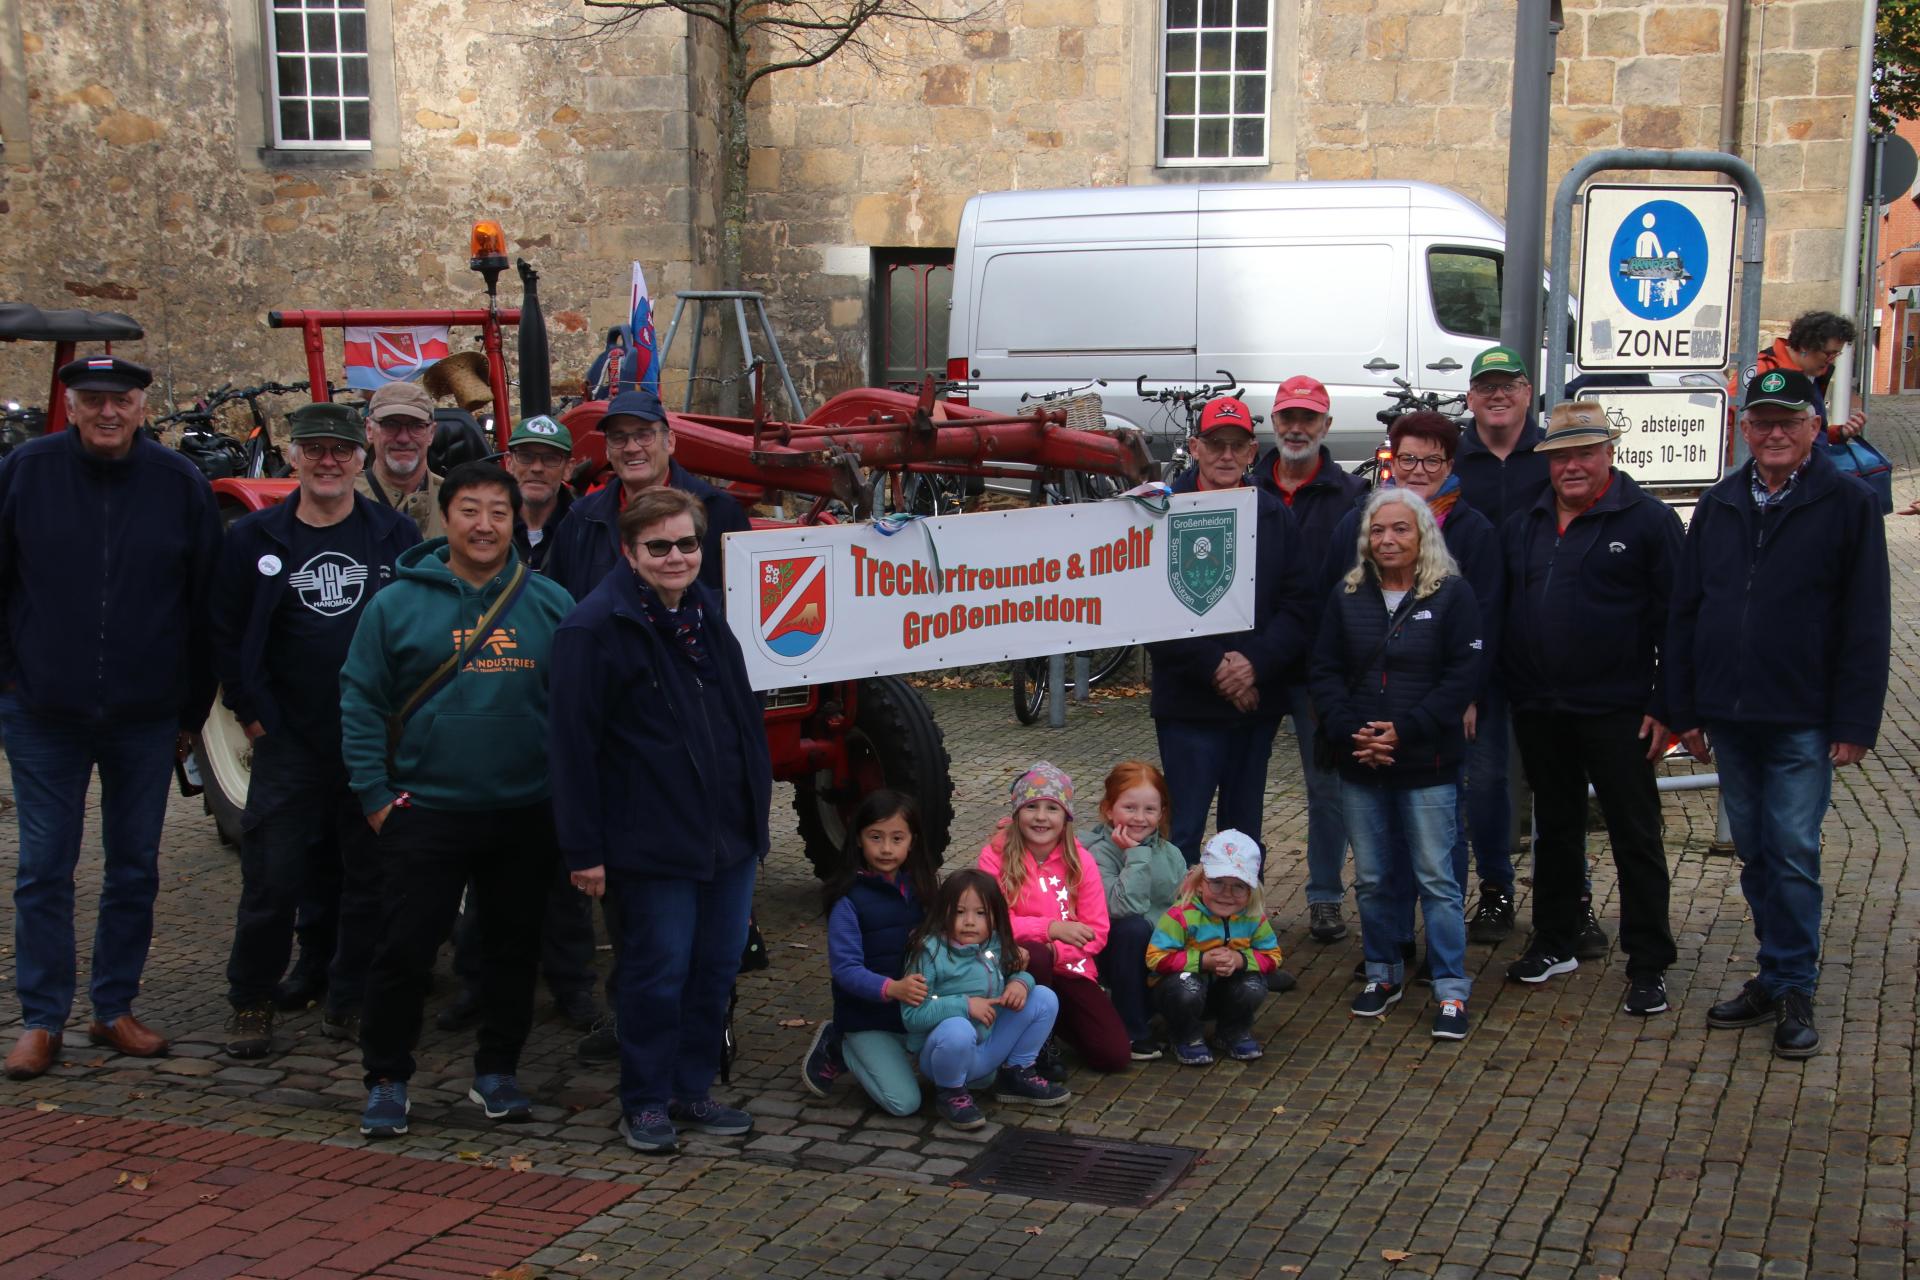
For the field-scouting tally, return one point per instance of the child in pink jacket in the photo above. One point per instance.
(1059, 915)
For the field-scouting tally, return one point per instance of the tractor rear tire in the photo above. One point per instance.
(224, 759)
(895, 743)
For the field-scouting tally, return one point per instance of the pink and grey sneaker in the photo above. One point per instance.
(823, 1067)
(957, 1108)
(1026, 1084)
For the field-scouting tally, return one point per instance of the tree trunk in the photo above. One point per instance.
(733, 218)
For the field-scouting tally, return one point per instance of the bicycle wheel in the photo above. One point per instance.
(1106, 664)
(1029, 689)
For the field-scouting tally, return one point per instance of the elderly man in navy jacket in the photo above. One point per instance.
(1589, 571)
(1778, 654)
(107, 548)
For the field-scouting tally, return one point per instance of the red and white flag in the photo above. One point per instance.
(376, 356)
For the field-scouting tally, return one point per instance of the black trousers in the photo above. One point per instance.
(299, 823)
(1123, 967)
(1187, 1000)
(431, 855)
(566, 939)
(1562, 752)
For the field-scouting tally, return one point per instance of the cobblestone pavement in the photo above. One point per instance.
(1561, 1139)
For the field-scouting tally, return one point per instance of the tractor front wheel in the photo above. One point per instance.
(224, 757)
(895, 743)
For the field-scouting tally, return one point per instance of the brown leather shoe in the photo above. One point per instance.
(125, 1035)
(32, 1054)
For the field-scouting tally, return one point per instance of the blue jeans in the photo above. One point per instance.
(1200, 759)
(53, 762)
(1485, 807)
(1326, 824)
(678, 954)
(954, 1053)
(1776, 783)
(1420, 820)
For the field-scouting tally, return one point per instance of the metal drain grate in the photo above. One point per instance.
(1058, 1166)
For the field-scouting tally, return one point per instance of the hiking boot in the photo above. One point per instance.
(822, 1066)
(1750, 1008)
(500, 1097)
(462, 1012)
(250, 1032)
(1646, 996)
(1536, 967)
(1794, 1035)
(649, 1132)
(387, 1108)
(1451, 1022)
(1376, 998)
(704, 1115)
(1193, 1053)
(1592, 944)
(340, 1024)
(602, 1044)
(957, 1108)
(1024, 1084)
(1324, 923)
(1492, 920)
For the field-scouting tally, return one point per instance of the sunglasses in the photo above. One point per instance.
(338, 450)
(659, 548)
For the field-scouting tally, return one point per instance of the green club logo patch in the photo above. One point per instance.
(1773, 382)
(1204, 552)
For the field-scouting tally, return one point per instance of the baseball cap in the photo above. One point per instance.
(326, 420)
(1788, 388)
(1498, 360)
(104, 373)
(400, 400)
(1228, 411)
(540, 429)
(1301, 392)
(639, 403)
(1576, 423)
(1232, 855)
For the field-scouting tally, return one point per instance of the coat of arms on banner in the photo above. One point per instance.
(794, 610)
(1200, 562)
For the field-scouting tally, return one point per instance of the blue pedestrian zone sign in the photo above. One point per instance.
(1656, 280)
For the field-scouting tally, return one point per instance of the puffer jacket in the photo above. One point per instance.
(954, 974)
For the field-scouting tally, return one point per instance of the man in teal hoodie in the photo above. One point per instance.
(443, 705)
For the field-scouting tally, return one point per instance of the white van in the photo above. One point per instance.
(1355, 283)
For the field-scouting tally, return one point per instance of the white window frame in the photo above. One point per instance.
(1165, 75)
(270, 33)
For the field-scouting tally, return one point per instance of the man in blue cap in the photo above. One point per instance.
(640, 451)
(107, 549)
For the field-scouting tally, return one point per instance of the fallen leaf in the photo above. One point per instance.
(801, 946)
(467, 1155)
(1290, 1269)
(46, 1106)
(120, 1181)
(795, 1022)
(211, 1195)
(1395, 1255)
(489, 1164)
(588, 1257)
(520, 1164)
(1279, 1111)
(141, 1182)
(1034, 1231)
(136, 1095)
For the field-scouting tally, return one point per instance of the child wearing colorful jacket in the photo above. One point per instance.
(1211, 952)
(1052, 886)
(1142, 869)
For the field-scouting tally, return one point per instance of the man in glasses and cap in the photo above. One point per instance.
(1589, 572)
(107, 549)
(293, 581)
(400, 421)
(538, 453)
(1777, 657)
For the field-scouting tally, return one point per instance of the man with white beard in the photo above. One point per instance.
(1301, 472)
(400, 427)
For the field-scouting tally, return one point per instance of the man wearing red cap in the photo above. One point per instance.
(1217, 700)
(1300, 471)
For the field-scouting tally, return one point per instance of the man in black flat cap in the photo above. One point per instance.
(107, 550)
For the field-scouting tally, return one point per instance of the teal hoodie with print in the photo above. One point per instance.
(1141, 881)
(954, 973)
(480, 743)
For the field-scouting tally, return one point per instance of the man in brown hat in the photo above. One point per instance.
(400, 422)
(1590, 569)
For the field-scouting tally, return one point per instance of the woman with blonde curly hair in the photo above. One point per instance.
(1397, 663)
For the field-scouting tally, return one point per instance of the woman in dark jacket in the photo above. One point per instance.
(1396, 665)
(661, 786)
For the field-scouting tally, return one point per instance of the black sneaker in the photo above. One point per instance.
(1794, 1035)
(1750, 1008)
(1646, 996)
(1537, 966)
(1324, 923)
(822, 1066)
(1376, 998)
(1492, 919)
(1147, 1050)
(1451, 1022)
(1052, 1063)
(1024, 1084)
(957, 1108)
(1279, 980)
(462, 1012)
(1592, 944)
(251, 1032)
(602, 1044)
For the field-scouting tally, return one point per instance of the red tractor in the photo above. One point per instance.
(833, 742)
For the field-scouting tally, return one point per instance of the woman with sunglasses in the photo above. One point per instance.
(661, 788)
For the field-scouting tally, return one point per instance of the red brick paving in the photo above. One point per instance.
(223, 1205)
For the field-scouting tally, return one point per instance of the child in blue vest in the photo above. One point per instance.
(873, 906)
(983, 1016)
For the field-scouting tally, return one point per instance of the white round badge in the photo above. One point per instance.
(269, 565)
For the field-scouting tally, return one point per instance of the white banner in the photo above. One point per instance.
(839, 602)
(1674, 436)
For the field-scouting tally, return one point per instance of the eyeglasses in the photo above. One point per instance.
(1785, 426)
(1406, 462)
(1218, 448)
(1833, 353)
(1229, 887)
(646, 438)
(659, 548)
(1501, 390)
(403, 426)
(338, 450)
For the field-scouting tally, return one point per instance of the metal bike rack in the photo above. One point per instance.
(739, 298)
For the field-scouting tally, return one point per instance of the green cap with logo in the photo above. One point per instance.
(327, 421)
(1498, 360)
(541, 429)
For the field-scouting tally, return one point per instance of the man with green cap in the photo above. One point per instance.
(537, 456)
(293, 581)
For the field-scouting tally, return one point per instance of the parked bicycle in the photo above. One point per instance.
(1186, 403)
(220, 455)
(1406, 400)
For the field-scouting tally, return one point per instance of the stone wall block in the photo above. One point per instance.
(1612, 35)
(636, 93)
(1685, 30)
(1057, 13)
(1360, 82)
(1662, 127)
(1483, 83)
(1387, 37)
(1436, 35)
(1428, 82)
(1589, 82)
(1826, 165)
(1329, 164)
(1826, 24)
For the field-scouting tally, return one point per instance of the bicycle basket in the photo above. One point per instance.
(1084, 412)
